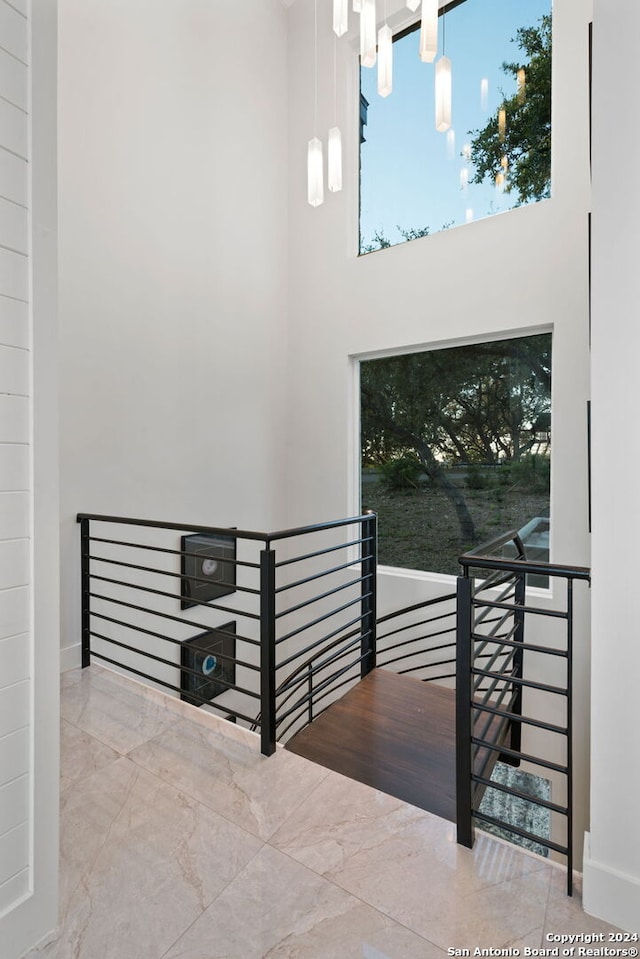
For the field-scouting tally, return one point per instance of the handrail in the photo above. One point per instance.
(225, 530)
(512, 536)
(528, 566)
(493, 686)
(425, 633)
(484, 557)
(149, 638)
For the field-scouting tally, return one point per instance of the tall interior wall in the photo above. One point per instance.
(173, 257)
(29, 555)
(517, 272)
(612, 849)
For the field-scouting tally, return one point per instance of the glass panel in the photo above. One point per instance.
(497, 153)
(456, 450)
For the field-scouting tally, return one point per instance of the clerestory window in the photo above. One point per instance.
(496, 152)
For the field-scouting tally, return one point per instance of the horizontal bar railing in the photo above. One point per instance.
(326, 639)
(423, 627)
(284, 631)
(500, 702)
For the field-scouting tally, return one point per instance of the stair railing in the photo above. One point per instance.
(240, 621)
(498, 700)
(420, 639)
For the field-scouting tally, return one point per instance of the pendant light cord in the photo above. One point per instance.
(315, 94)
(335, 81)
(444, 13)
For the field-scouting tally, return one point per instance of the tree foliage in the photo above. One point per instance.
(380, 241)
(479, 404)
(526, 141)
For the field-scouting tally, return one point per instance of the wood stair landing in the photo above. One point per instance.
(392, 732)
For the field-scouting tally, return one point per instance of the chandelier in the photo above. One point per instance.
(376, 48)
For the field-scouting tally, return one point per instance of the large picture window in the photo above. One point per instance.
(496, 154)
(456, 449)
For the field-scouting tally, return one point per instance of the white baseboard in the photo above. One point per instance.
(608, 894)
(70, 657)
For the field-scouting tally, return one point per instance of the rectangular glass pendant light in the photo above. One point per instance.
(443, 94)
(429, 31)
(340, 17)
(502, 124)
(315, 185)
(334, 160)
(451, 144)
(368, 33)
(484, 93)
(413, 4)
(385, 61)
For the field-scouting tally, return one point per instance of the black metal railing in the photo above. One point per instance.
(262, 628)
(420, 639)
(513, 702)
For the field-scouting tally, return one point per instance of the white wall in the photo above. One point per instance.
(612, 864)
(516, 272)
(29, 635)
(17, 483)
(173, 256)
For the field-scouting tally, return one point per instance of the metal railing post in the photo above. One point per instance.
(85, 589)
(464, 646)
(267, 651)
(570, 737)
(369, 595)
(515, 738)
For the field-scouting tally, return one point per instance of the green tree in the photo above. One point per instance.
(526, 138)
(479, 404)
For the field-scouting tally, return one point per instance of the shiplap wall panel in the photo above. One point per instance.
(14, 851)
(19, 5)
(14, 709)
(15, 612)
(14, 275)
(13, 176)
(16, 639)
(14, 799)
(14, 80)
(14, 468)
(13, 32)
(15, 129)
(14, 226)
(15, 566)
(14, 755)
(14, 419)
(14, 370)
(14, 890)
(14, 322)
(14, 660)
(15, 517)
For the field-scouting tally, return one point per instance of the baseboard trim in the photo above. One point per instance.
(609, 894)
(70, 657)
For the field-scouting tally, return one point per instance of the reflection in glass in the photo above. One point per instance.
(500, 62)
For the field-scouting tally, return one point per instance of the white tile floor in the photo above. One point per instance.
(180, 841)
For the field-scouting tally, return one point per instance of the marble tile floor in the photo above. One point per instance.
(180, 841)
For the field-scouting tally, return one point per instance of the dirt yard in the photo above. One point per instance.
(418, 529)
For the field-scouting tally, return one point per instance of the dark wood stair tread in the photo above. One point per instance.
(392, 732)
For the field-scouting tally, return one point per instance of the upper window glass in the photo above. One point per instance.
(496, 153)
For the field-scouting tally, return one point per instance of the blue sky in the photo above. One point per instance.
(410, 174)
